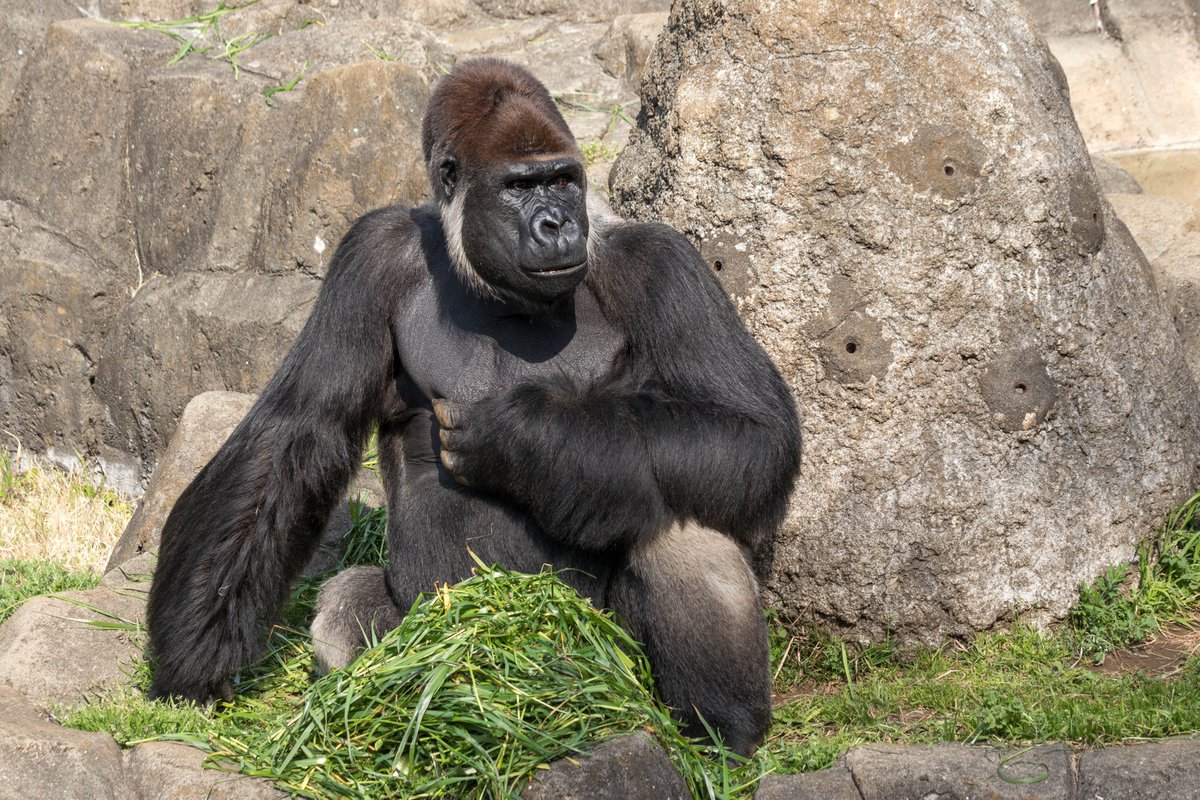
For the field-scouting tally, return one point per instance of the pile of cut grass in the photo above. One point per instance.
(482, 684)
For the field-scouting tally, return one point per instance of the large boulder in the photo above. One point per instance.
(995, 403)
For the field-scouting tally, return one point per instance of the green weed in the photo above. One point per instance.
(367, 541)
(1118, 608)
(10, 478)
(382, 54)
(269, 92)
(22, 579)
(132, 719)
(201, 34)
(598, 151)
(237, 45)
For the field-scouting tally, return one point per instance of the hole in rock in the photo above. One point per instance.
(949, 170)
(717, 266)
(851, 347)
(1020, 388)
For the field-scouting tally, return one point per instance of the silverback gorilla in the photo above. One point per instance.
(549, 386)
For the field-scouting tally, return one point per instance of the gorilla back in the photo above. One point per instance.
(551, 385)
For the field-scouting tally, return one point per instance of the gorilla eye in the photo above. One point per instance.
(521, 185)
(562, 182)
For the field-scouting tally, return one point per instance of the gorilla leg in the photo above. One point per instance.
(688, 595)
(353, 608)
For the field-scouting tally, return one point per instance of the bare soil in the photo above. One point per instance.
(1163, 656)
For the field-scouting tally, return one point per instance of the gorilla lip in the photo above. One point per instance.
(557, 272)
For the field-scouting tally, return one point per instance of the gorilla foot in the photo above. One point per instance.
(353, 610)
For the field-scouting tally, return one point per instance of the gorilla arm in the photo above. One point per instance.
(695, 424)
(248, 523)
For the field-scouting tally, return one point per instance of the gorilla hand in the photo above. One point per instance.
(499, 444)
(460, 450)
(452, 417)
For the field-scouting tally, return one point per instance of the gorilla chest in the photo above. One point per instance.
(468, 351)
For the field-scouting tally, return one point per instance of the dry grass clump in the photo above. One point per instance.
(47, 514)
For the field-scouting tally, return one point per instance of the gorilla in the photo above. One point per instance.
(550, 385)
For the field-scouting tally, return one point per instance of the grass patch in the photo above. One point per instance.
(1122, 608)
(1015, 688)
(21, 579)
(1019, 687)
(131, 718)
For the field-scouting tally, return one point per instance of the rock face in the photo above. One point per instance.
(1168, 232)
(995, 403)
(43, 761)
(164, 227)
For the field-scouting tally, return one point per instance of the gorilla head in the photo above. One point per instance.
(509, 180)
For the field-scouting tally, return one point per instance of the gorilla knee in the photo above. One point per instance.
(690, 597)
(353, 608)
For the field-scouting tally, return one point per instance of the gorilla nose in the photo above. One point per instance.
(550, 226)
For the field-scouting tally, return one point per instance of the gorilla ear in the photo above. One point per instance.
(448, 174)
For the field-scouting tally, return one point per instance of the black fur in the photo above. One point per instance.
(623, 426)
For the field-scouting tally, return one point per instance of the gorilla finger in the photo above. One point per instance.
(451, 439)
(451, 462)
(449, 413)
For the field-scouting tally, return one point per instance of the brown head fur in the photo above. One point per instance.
(489, 111)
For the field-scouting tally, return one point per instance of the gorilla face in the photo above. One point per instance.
(525, 226)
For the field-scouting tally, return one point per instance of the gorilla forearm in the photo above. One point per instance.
(235, 540)
(576, 462)
(245, 527)
(724, 469)
(608, 465)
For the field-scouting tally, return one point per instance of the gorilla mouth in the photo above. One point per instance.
(555, 272)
